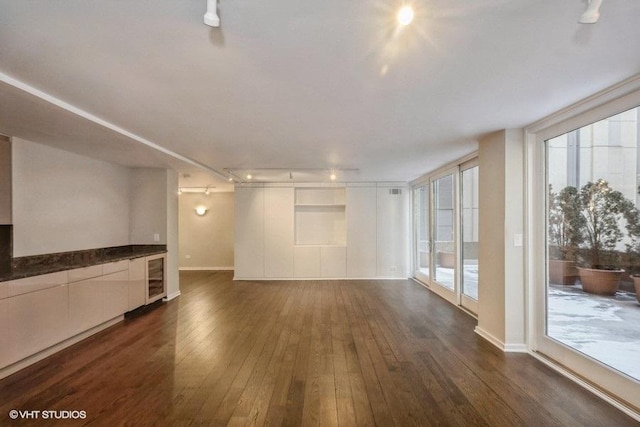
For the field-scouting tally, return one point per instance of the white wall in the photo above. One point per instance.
(5, 180)
(172, 233)
(148, 206)
(206, 242)
(66, 202)
(501, 303)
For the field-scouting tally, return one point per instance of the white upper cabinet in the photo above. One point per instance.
(249, 232)
(320, 216)
(278, 232)
(361, 232)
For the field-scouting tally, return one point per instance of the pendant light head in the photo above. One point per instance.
(211, 18)
(592, 14)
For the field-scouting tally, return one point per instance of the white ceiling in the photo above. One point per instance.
(300, 83)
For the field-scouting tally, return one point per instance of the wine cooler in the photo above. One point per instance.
(156, 278)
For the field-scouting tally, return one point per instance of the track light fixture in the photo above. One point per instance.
(592, 14)
(211, 18)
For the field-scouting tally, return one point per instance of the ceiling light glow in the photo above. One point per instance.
(249, 176)
(405, 15)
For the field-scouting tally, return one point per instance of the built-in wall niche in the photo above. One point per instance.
(320, 216)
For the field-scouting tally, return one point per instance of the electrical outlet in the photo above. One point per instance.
(156, 237)
(187, 256)
(393, 269)
(517, 240)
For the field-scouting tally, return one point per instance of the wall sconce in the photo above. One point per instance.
(201, 210)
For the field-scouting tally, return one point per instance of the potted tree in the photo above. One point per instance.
(565, 234)
(603, 210)
(633, 248)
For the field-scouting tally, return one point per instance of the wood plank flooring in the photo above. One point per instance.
(290, 353)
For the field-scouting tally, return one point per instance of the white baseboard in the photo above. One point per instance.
(206, 268)
(487, 336)
(30, 360)
(507, 348)
(175, 294)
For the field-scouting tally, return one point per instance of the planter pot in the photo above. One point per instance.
(600, 282)
(562, 272)
(446, 259)
(636, 284)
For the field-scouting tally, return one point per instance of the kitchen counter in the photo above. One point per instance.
(36, 265)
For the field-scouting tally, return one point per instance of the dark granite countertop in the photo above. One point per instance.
(36, 265)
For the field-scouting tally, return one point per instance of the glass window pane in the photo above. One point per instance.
(593, 240)
(469, 204)
(444, 244)
(421, 204)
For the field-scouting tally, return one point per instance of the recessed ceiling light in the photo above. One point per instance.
(332, 177)
(249, 176)
(405, 15)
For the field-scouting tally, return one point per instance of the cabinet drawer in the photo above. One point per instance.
(114, 267)
(35, 283)
(85, 273)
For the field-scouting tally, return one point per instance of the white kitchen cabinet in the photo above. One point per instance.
(114, 267)
(307, 261)
(7, 349)
(34, 283)
(333, 261)
(249, 232)
(86, 305)
(278, 232)
(115, 288)
(35, 321)
(137, 283)
(78, 274)
(361, 232)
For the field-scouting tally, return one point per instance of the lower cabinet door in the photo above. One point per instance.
(137, 283)
(116, 294)
(333, 261)
(306, 261)
(86, 308)
(36, 321)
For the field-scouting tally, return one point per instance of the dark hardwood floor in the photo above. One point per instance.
(299, 353)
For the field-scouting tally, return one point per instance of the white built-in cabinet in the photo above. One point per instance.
(137, 283)
(249, 231)
(42, 311)
(278, 232)
(310, 231)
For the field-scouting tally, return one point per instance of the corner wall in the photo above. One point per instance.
(207, 242)
(501, 308)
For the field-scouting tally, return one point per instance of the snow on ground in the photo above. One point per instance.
(604, 328)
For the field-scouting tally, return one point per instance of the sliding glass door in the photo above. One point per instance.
(469, 209)
(587, 307)
(444, 230)
(422, 232)
(446, 234)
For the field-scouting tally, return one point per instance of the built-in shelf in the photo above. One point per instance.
(320, 217)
